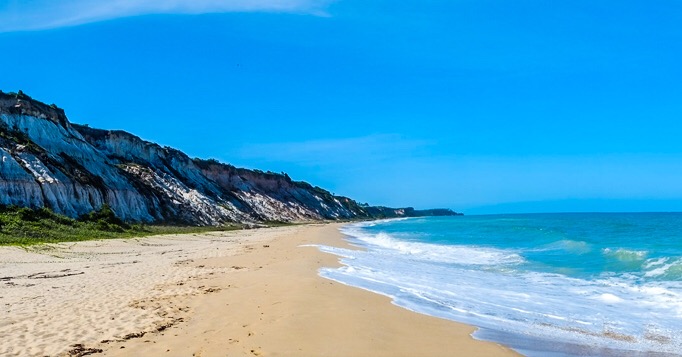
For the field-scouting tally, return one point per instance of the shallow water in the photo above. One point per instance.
(544, 284)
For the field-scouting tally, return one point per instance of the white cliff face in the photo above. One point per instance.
(276, 197)
(73, 178)
(17, 186)
(188, 204)
(47, 162)
(241, 195)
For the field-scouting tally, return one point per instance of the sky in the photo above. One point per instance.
(484, 106)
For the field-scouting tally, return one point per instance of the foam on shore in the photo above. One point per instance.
(253, 292)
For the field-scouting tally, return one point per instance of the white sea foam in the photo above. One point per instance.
(664, 268)
(625, 255)
(609, 298)
(480, 286)
(655, 262)
(453, 254)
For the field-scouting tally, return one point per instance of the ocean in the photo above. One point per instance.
(569, 284)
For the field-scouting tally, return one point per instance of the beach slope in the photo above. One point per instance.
(243, 293)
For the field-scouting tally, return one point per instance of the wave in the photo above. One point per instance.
(625, 255)
(377, 222)
(638, 265)
(664, 268)
(619, 311)
(452, 254)
(573, 246)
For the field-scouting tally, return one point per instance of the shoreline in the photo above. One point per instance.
(254, 292)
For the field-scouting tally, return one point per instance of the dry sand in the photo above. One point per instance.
(242, 293)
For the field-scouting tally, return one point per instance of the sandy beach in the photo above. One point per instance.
(242, 293)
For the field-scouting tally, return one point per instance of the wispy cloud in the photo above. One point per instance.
(23, 15)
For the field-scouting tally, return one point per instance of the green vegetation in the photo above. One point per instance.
(105, 220)
(280, 224)
(26, 226)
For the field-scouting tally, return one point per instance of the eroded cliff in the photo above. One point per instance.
(45, 161)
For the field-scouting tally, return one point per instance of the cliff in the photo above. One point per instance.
(46, 161)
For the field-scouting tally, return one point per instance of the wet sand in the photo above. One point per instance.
(244, 293)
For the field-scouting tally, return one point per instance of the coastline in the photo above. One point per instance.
(253, 292)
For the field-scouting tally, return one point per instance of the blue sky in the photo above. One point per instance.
(481, 106)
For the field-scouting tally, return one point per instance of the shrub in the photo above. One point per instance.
(27, 214)
(105, 215)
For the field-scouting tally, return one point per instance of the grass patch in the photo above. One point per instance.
(280, 224)
(26, 226)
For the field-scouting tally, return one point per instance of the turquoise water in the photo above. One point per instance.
(544, 284)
